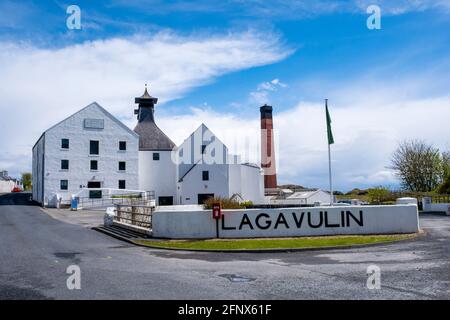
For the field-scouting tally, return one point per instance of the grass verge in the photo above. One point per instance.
(278, 243)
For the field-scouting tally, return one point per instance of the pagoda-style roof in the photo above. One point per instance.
(151, 136)
(146, 98)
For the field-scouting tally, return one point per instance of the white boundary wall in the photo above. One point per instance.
(428, 206)
(289, 222)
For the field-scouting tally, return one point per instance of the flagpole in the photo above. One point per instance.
(329, 163)
(329, 173)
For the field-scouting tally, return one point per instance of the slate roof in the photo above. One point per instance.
(151, 136)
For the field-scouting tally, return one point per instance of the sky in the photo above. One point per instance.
(217, 62)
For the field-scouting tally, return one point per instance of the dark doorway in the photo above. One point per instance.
(94, 194)
(165, 201)
(202, 197)
(94, 184)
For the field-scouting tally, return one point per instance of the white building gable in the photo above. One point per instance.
(206, 169)
(84, 150)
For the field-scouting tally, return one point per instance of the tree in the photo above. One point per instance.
(444, 188)
(379, 194)
(26, 180)
(418, 166)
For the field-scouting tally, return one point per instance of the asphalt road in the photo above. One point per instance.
(36, 249)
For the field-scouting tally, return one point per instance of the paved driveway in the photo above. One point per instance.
(36, 249)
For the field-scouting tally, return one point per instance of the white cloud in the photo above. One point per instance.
(287, 9)
(39, 87)
(398, 7)
(365, 137)
(262, 93)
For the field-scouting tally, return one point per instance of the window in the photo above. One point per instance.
(64, 184)
(64, 164)
(203, 148)
(95, 194)
(155, 155)
(94, 165)
(122, 184)
(122, 165)
(93, 147)
(205, 175)
(165, 201)
(64, 143)
(122, 145)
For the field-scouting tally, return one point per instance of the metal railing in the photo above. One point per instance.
(112, 200)
(136, 215)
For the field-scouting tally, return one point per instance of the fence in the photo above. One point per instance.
(134, 214)
(143, 198)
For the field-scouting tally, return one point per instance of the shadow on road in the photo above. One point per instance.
(17, 199)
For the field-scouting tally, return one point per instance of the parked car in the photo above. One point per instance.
(352, 202)
(16, 189)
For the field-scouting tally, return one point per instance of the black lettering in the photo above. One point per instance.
(281, 219)
(358, 221)
(245, 220)
(223, 225)
(327, 225)
(298, 222)
(342, 219)
(268, 222)
(320, 220)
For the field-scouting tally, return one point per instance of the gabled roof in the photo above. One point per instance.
(203, 128)
(304, 194)
(91, 105)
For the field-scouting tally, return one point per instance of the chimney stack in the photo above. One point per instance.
(268, 148)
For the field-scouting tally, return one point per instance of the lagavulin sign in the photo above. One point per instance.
(287, 222)
(319, 221)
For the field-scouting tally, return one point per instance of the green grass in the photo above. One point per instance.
(126, 196)
(279, 243)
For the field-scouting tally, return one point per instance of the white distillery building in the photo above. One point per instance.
(89, 149)
(206, 169)
(309, 197)
(92, 149)
(199, 168)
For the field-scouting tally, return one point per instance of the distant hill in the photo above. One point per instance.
(293, 187)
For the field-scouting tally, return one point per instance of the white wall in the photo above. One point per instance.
(6, 186)
(320, 196)
(252, 184)
(158, 175)
(335, 220)
(37, 175)
(192, 183)
(438, 207)
(79, 172)
(183, 224)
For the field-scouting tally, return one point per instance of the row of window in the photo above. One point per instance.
(94, 146)
(64, 184)
(94, 165)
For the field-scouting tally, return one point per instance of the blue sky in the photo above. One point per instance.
(217, 62)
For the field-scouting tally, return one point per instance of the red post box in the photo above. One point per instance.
(217, 210)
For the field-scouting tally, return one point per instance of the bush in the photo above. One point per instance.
(226, 203)
(379, 195)
(357, 192)
(444, 188)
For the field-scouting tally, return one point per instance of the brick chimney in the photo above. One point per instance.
(268, 148)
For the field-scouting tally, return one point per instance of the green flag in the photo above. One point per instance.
(330, 133)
